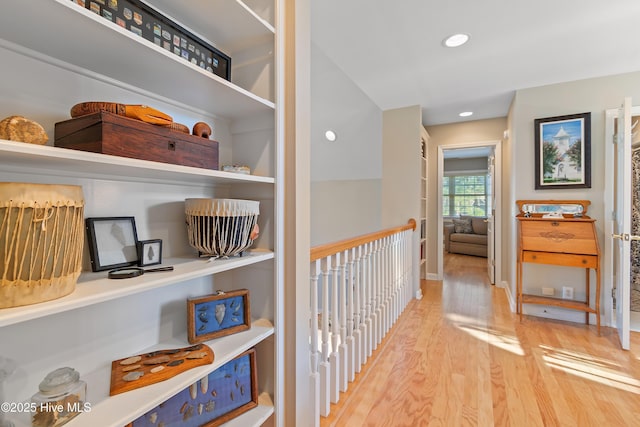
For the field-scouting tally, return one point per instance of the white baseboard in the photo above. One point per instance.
(433, 276)
(510, 296)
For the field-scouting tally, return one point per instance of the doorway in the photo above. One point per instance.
(485, 149)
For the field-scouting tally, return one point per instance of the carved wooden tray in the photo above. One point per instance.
(144, 369)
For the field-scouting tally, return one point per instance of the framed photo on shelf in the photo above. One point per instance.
(218, 315)
(149, 252)
(224, 394)
(112, 241)
(563, 152)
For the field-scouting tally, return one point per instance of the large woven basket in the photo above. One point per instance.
(41, 241)
(221, 227)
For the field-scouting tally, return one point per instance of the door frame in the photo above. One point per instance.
(609, 208)
(497, 220)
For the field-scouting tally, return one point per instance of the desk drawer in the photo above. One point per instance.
(568, 260)
(574, 237)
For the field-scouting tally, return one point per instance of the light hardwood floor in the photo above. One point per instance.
(460, 357)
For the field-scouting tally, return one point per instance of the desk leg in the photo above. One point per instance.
(598, 298)
(519, 288)
(588, 288)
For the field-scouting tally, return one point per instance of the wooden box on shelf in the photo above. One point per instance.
(109, 133)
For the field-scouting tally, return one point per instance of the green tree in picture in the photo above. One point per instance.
(575, 154)
(549, 157)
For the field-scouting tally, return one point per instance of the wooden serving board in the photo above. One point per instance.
(144, 369)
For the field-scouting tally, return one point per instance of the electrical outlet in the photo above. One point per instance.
(567, 292)
(548, 291)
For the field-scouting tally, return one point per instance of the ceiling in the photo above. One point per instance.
(393, 50)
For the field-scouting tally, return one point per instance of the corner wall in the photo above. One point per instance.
(401, 166)
(346, 175)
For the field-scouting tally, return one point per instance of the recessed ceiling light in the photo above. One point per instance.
(330, 135)
(456, 40)
(466, 114)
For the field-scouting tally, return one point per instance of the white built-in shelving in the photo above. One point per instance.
(424, 141)
(51, 45)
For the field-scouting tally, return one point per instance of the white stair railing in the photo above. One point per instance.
(359, 288)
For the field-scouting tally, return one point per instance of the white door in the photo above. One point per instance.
(491, 203)
(621, 244)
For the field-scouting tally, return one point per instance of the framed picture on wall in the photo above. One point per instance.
(563, 152)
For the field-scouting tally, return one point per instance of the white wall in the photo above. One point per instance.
(401, 166)
(345, 174)
(468, 164)
(591, 95)
(402, 172)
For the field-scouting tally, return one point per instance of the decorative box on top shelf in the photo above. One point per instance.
(109, 133)
(151, 25)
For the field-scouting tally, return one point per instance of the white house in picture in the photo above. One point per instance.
(565, 169)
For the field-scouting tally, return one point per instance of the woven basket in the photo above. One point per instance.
(221, 227)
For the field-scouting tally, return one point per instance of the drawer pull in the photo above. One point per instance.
(555, 223)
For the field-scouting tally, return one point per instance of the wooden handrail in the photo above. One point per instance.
(321, 251)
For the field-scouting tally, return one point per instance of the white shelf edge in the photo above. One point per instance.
(97, 33)
(95, 164)
(94, 288)
(251, 12)
(146, 43)
(118, 410)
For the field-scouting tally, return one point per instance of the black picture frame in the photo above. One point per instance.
(149, 252)
(563, 152)
(112, 242)
(153, 26)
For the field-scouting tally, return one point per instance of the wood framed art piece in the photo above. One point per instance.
(218, 315)
(563, 152)
(149, 252)
(224, 394)
(113, 242)
(141, 370)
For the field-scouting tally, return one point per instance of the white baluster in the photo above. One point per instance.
(397, 275)
(369, 283)
(409, 259)
(352, 313)
(343, 300)
(392, 280)
(388, 288)
(358, 334)
(382, 298)
(313, 344)
(325, 397)
(334, 358)
(378, 293)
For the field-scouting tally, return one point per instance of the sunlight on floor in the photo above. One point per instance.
(493, 337)
(590, 368)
